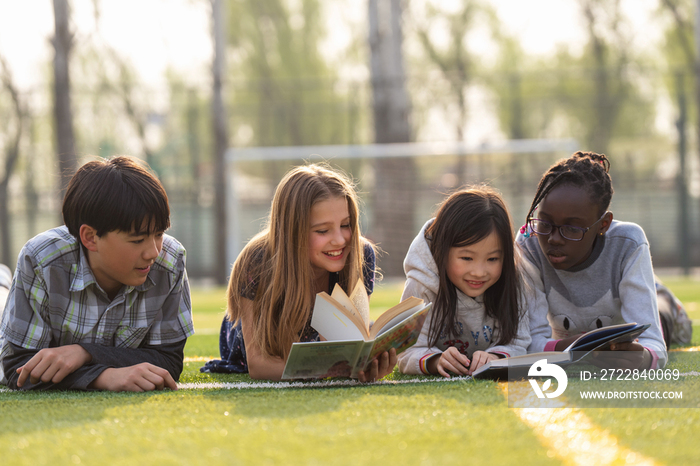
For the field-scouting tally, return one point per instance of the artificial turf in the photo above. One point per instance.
(436, 422)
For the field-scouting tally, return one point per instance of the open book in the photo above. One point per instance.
(596, 340)
(351, 343)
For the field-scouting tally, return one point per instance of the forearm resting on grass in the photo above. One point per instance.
(138, 369)
(66, 378)
(166, 356)
(142, 377)
(452, 361)
(76, 367)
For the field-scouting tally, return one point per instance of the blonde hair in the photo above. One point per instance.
(275, 263)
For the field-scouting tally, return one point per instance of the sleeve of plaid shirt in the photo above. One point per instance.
(25, 322)
(24, 319)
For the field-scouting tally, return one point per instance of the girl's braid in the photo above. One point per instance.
(584, 169)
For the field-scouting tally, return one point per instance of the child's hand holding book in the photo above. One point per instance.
(380, 367)
(351, 348)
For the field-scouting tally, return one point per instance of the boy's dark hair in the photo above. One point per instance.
(587, 170)
(115, 194)
(467, 217)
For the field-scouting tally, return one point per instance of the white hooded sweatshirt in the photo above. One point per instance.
(475, 331)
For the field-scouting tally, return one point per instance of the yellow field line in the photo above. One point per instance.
(691, 348)
(570, 435)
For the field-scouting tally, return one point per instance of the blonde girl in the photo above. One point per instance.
(312, 241)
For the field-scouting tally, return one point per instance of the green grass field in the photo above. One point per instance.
(400, 423)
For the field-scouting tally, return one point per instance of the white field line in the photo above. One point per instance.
(570, 435)
(318, 384)
(208, 358)
(328, 383)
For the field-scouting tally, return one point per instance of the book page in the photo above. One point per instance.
(361, 301)
(320, 359)
(344, 300)
(396, 314)
(334, 322)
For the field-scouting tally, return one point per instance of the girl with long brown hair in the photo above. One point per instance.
(311, 242)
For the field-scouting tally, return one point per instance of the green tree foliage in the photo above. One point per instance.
(595, 96)
(281, 90)
(447, 64)
(526, 107)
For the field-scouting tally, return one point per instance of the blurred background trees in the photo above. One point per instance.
(424, 72)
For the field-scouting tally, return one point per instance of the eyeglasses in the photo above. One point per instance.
(570, 232)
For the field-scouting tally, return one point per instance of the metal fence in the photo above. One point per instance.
(514, 168)
(650, 201)
(178, 138)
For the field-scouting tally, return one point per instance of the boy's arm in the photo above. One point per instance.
(16, 357)
(167, 356)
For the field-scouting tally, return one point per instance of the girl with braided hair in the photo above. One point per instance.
(586, 269)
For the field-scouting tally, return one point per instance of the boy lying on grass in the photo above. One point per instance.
(104, 301)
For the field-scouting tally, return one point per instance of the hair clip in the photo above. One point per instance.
(525, 231)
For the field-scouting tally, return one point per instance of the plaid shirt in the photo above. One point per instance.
(55, 300)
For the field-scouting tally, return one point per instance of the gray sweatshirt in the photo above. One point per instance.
(614, 285)
(475, 330)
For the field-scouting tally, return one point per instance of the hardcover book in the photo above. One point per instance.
(599, 339)
(351, 342)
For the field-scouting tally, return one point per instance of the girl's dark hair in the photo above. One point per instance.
(466, 217)
(587, 170)
(115, 194)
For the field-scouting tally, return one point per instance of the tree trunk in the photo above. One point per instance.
(394, 192)
(697, 81)
(63, 42)
(11, 157)
(221, 141)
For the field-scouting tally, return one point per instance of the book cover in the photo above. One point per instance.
(596, 340)
(351, 345)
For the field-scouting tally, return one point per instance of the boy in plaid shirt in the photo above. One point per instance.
(104, 301)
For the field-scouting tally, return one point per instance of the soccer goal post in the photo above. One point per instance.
(514, 167)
